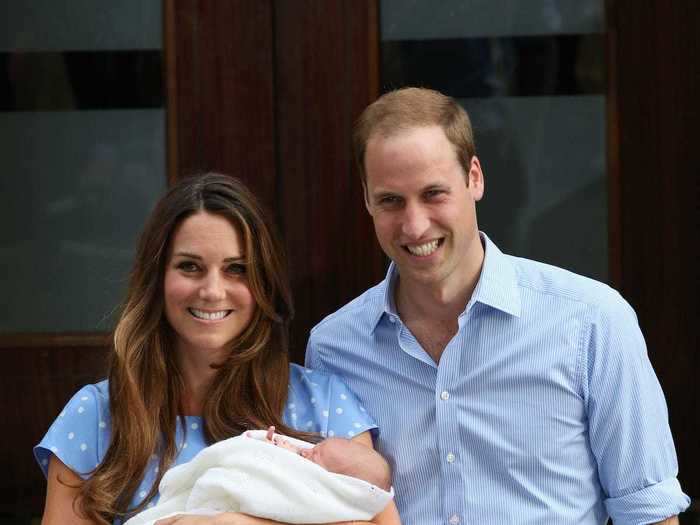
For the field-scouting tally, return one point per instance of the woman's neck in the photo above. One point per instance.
(198, 376)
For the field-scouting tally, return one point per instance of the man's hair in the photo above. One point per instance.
(412, 107)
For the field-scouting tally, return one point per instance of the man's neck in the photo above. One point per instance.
(441, 301)
(431, 311)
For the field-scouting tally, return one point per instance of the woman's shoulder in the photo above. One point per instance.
(301, 374)
(80, 433)
(314, 380)
(322, 402)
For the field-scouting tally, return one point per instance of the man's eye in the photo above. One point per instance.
(187, 266)
(236, 268)
(389, 200)
(432, 194)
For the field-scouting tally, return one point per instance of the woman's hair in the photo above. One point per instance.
(145, 383)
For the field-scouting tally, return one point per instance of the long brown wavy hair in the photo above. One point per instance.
(145, 383)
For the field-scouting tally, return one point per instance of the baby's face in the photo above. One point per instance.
(330, 454)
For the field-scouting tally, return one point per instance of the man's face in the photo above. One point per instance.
(423, 205)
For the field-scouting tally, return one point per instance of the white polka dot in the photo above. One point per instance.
(294, 416)
(356, 424)
(323, 433)
(308, 370)
(62, 414)
(83, 447)
(142, 494)
(184, 446)
(325, 413)
(103, 424)
(84, 398)
(351, 433)
(71, 435)
(331, 433)
(194, 426)
(44, 462)
(343, 397)
(314, 384)
(362, 409)
(313, 400)
(292, 406)
(81, 410)
(54, 449)
(309, 423)
(338, 410)
(155, 470)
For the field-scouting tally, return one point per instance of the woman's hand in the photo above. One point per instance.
(225, 518)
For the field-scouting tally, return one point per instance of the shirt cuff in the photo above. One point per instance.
(649, 505)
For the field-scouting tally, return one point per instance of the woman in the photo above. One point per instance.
(199, 355)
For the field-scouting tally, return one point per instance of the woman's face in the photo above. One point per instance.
(207, 299)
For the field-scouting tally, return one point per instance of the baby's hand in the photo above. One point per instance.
(279, 441)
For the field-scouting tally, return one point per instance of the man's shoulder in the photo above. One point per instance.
(546, 279)
(364, 308)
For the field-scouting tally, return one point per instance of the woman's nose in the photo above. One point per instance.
(212, 288)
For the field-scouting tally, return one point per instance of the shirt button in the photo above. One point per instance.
(454, 519)
(444, 395)
(450, 458)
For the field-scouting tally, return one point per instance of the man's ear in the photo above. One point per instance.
(475, 179)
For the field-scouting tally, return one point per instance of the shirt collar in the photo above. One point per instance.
(497, 286)
(498, 283)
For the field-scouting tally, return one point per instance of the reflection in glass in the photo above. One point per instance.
(533, 81)
(82, 134)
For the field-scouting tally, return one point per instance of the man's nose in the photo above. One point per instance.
(212, 288)
(415, 221)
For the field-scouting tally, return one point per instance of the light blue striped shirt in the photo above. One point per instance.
(544, 407)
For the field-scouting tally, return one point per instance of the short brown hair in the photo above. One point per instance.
(414, 107)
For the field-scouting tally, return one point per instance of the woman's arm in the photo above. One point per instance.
(61, 493)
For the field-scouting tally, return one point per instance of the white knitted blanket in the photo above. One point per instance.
(246, 474)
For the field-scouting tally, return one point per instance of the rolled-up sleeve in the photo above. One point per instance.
(628, 421)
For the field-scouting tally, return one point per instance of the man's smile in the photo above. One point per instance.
(424, 249)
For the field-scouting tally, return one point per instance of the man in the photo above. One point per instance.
(505, 390)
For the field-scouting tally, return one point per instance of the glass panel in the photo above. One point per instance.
(82, 134)
(423, 19)
(48, 25)
(532, 77)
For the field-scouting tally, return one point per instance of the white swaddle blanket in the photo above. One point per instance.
(249, 475)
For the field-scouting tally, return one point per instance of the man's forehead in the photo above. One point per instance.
(386, 132)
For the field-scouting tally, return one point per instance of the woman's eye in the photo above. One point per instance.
(187, 266)
(236, 268)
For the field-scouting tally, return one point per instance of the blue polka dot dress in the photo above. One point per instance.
(79, 437)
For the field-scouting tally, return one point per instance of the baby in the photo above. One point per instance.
(341, 456)
(278, 478)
